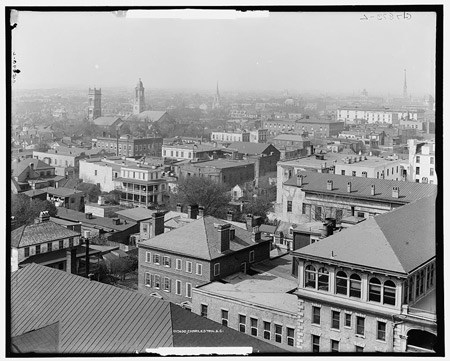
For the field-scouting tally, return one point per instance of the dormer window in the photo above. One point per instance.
(374, 290)
(317, 279)
(389, 293)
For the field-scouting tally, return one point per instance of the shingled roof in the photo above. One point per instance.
(40, 233)
(203, 241)
(361, 187)
(97, 318)
(398, 241)
(19, 167)
(249, 148)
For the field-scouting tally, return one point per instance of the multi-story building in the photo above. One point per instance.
(258, 136)
(193, 152)
(65, 197)
(31, 174)
(310, 196)
(171, 264)
(372, 287)
(139, 98)
(230, 136)
(314, 128)
(422, 162)
(381, 115)
(128, 146)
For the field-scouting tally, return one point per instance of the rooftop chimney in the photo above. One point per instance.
(179, 207)
(299, 180)
(224, 236)
(201, 211)
(157, 224)
(329, 185)
(44, 216)
(101, 200)
(232, 233)
(372, 189)
(328, 227)
(349, 187)
(256, 234)
(229, 216)
(250, 221)
(395, 192)
(71, 260)
(193, 211)
(88, 215)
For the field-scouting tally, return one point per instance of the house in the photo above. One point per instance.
(172, 264)
(422, 163)
(265, 156)
(372, 287)
(32, 174)
(192, 152)
(65, 197)
(88, 317)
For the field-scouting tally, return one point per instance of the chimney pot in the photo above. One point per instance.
(201, 211)
(349, 187)
(299, 180)
(329, 185)
(229, 216)
(395, 192)
(372, 189)
(224, 236)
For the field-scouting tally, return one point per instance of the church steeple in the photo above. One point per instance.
(139, 98)
(405, 88)
(216, 101)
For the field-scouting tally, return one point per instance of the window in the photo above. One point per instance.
(289, 206)
(303, 208)
(315, 343)
(341, 283)
(27, 251)
(199, 269)
(278, 333)
(242, 323)
(225, 318)
(310, 276)
(49, 246)
(38, 249)
(417, 170)
(251, 256)
(343, 172)
(157, 279)
(348, 320)
(417, 159)
(188, 266)
(355, 286)
(156, 258)
(61, 244)
(253, 326)
(166, 284)
(316, 315)
(359, 349)
(318, 215)
(188, 290)
(323, 279)
(148, 279)
(389, 289)
(166, 261)
(216, 269)
(378, 174)
(204, 310)
(360, 325)
(178, 264)
(178, 287)
(375, 290)
(334, 346)
(335, 320)
(267, 330)
(381, 331)
(148, 257)
(290, 336)
(353, 173)
(431, 160)
(431, 171)
(387, 172)
(71, 242)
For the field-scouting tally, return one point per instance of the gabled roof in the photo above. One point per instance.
(61, 191)
(41, 340)
(203, 240)
(19, 167)
(398, 241)
(105, 121)
(361, 187)
(98, 318)
(152, 115)
(249, 148)
(39, 233)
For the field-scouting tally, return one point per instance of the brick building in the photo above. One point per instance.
(172, 264)
(129, 146)
(314, 128)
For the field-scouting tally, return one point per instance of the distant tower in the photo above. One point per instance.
(405, 88)
(139, 98)
(95, 103)
(216, 101)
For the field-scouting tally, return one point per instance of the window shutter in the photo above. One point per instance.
(151, 280)
(170, 285)
(170, 262)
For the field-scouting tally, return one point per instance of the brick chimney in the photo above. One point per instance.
(299, 180)
(395, 192)
(229, 216)
(179, 207)
(329, 185)
(372, 189)
(232, 233)
(193, 211)
(250, 221)
(349, 187)
(157, 224)
(71, 260)
(256, 234)
(44, 216)
(224, 236)
(201, 211)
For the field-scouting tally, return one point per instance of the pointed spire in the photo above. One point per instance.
(405, 87)
(217, 91)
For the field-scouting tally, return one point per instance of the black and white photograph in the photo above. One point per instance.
(224, 180)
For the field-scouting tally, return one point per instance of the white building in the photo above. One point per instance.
(422, 162)
(230, 136)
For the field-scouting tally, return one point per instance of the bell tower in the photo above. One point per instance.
(95, 104)
(139, 98)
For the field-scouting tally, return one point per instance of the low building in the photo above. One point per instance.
(230, 136)
(192, 152)
(422, 162)
(129, 146)
(372, 288)
(65, 197)
(31, 174)
(171, 265)
(312, 127)
(102, 171)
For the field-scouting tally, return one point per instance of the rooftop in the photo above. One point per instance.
(223, 163)
(249, 148)
(398, 241)
(137, 214)
(105, 121)
(61, 191)
(19, 166)
(152, 115)
(361, 187)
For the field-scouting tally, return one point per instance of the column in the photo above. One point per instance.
(364, 287)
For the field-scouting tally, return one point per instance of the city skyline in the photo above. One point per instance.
(293, 51)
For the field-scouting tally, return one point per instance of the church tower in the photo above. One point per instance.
(95, 104)
(216, 101)
(405, 88)
(139, 98)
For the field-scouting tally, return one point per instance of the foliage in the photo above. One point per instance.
(120, 266)
(112, 197)
(92, 191)
(203, 191)
(258, 206)
(26, 210)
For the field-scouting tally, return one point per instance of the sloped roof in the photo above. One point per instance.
(19, 167)
(398, 241)
(98, 318)
(105, 121)
(152, 115)
(249, 148)
(136, 214)
(293, 137)
(361, 187)
(203, 241)
(39, 233)
(61, 191)
(41, 340)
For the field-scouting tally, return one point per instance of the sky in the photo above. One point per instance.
(328, 52)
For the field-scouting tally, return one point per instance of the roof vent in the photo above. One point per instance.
(395, 192)
(372, 189)
(89, 215)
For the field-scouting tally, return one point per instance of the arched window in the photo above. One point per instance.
(375, 290)
(389, 293)
(355, 286)
(341, 283)
(310, 276)
(323, 279)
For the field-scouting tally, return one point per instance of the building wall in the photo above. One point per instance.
(232, 137)
(235, 307)
(98, 173)
(390, 170)
(131, 147)
(316, 129)
(57, 159)
(422, 163)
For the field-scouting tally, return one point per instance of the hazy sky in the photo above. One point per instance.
(317, 52)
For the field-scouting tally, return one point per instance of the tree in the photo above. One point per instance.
(92, 191)
(24, 210)
(121, 266)
(214, 197)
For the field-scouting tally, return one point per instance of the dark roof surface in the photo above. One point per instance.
(397, 241)
(19, 167)
(97, 318)
(361, 187)
(249, 148)
(41, 340)
(105, 121)
(39, 233)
